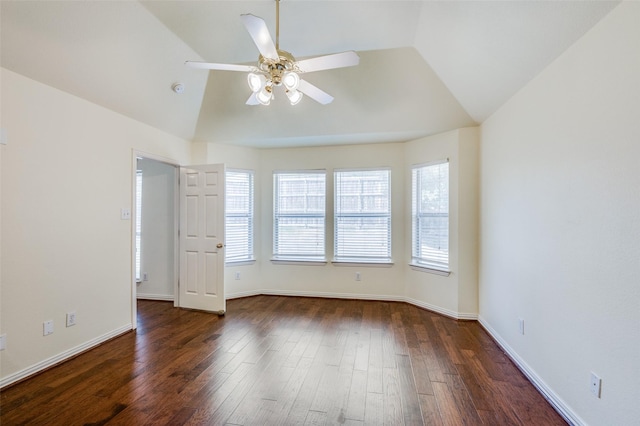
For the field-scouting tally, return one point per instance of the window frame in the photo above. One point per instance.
(249, 254)
(279, 255)
(339, 214)
(420, 261)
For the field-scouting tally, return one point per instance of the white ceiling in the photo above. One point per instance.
(425, 67)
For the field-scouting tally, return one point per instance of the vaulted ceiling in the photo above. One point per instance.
(425, 66)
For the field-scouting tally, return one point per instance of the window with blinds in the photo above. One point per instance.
(239, 193)
(299, 215)
(362, 218)
(430, 211)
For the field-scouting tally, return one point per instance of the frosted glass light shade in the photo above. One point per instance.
(264, 96)
(294, 96)
(256, 82)
(291, 80)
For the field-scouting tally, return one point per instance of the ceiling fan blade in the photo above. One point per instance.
(338, 60)
(260, 34)
(314, 93)
(222, 67)
(252, 100)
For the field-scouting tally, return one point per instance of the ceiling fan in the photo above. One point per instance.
(279, 68)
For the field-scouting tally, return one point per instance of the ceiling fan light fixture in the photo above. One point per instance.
(265, 95)
(256, 82)
(294, 96)
(291, 80)
(278, 67)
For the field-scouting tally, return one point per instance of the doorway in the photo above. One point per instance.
(155, 229)
(161, 257)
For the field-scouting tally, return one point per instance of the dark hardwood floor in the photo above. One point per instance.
(285, 361)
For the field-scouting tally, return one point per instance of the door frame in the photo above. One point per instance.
(135, 154)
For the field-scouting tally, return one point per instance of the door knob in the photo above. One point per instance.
(220, 245)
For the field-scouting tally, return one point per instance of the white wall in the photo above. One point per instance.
(560, 223)
(376, 282)
(66, 173)
(158, 228)
(455, 295)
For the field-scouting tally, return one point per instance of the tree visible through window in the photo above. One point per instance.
(362, 216)
(299, 215)
(239, 195)
(430, 208)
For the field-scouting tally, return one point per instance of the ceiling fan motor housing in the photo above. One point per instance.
(276, 69)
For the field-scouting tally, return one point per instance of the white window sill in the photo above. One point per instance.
(299, 262)
(365, 263)
(430, 269)
(240, 262)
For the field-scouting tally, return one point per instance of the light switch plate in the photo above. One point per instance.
(47, 328)
(125, 214)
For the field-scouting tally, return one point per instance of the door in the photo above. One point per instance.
(201, 283)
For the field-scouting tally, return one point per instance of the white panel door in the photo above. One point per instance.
(201, 284)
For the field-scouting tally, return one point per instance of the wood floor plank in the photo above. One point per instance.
(429, 409)
(374, 409)
(277, 360)
(408, 392)
(357, 396)
(392, 401)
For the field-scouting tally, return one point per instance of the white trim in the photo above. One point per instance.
(232, 263)
(429, 269)
(556, 402)
(381, 264)
(150, 296)
(359, 296)
(442, 311)
(301, 262)
(63, 356)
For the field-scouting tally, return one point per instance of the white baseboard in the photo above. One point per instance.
(149, 296)
(63, 356)
(556, 402)
(380, 297)
(441, 311)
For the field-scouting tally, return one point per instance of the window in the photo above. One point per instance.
(299, 215)
(238, 216)
(362, 216)
(430, 211)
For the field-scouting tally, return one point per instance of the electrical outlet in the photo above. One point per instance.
(47, 328)
(125, 213)
(71, 318)
(521, 325)
(3, 342)
(595, 385)
(358, 276)
(237, 275)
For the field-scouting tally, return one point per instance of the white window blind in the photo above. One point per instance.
(239, 193)
(299, 215)
(430, 211)
(362, 216)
